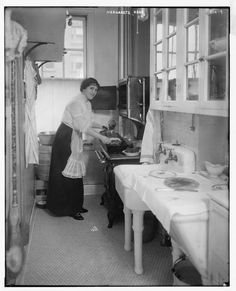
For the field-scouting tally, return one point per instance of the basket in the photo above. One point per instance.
(44, 162)
(185, 274)
(46, 137)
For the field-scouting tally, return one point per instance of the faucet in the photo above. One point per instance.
(161, 150)
(171, 157)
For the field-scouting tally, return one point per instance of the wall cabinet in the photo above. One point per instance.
(189, 60)
(218, 260)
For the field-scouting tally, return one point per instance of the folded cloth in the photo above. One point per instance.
(31, 138)
(126, 173)
(151, 137)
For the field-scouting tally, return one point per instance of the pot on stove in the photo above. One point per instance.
(115, 148)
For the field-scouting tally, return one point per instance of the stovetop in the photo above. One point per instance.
(117, 156)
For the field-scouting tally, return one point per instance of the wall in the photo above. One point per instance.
(140, 47)
(209, 140)
(105, 47)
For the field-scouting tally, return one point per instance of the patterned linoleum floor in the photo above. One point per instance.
(66, 252)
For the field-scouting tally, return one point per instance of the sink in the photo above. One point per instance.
(124, 184)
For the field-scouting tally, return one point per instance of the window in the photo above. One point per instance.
(73, 65)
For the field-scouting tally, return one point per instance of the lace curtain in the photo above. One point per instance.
(15, 38)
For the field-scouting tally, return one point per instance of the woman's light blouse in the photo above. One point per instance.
(77, 115)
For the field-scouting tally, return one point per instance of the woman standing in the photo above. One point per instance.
(65, 195)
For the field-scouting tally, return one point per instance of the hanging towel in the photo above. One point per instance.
(31, 139)
(152, 137)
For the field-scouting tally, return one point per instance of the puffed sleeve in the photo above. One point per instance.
(82, 116)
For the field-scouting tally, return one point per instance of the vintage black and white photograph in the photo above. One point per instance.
(117, 144)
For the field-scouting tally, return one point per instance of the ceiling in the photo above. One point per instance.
(43, 25)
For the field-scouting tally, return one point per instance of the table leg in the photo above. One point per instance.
(205, 281)
(138, 240)
(127, 214)
(176, 251)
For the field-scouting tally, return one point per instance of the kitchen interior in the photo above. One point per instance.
(164, 76)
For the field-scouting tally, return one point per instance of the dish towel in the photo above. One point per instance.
(151, 138)
(31, 139)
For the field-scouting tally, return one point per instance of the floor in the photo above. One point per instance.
(66, 252)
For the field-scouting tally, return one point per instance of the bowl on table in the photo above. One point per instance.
(214, 170)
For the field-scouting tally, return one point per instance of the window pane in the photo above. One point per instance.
(52, 70)
(159, 26)
(193, 42)
(192, 82)
(172, 51)
(74, 35)
(158, 57)
(171, 85)
(172, 20)
(217, 78)
(74, 64)
(192, 14)
(218, 30)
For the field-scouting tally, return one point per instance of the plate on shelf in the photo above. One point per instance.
(162, 174)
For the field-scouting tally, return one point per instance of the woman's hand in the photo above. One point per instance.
(115, 140)
(105, 139)
(110, 140)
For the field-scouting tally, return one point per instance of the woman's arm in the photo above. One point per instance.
(95, 134)
(95, 124)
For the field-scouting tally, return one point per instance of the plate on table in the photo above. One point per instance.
(131, 152)
(162, 174)
(181, 183)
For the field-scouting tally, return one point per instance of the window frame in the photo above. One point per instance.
(83, 50)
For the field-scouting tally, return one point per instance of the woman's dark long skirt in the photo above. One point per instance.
(65, 196)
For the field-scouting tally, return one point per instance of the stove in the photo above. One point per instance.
(110, 157)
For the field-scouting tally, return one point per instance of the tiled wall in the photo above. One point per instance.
(209, 139)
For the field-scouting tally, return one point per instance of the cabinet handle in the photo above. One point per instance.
(201, 59)
(100, 158)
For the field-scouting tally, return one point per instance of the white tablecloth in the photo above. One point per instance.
(165, 203)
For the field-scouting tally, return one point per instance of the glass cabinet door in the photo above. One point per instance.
(217, 53)
(158, 47)
(165, 54)
(189, 59)
(191, 25)
(171, 53)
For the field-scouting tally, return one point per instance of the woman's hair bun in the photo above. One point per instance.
(87, 82)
